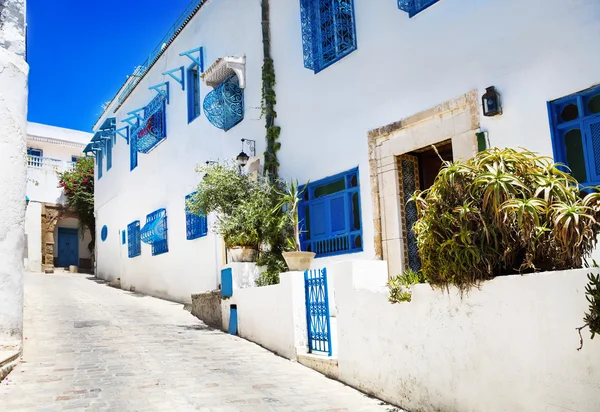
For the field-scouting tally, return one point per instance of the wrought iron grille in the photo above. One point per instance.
(154, 232)
(153, 129)
(328, 31)
(224, 106)
(134, 244)
(196, 225)
(414, 7)
(409, 180)
(317, 311)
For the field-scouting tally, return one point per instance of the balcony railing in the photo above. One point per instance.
(46, 163)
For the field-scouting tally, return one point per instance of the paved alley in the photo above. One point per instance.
(92, 347)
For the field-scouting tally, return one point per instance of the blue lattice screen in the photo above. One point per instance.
(154, 232)
(134, 244)
(153, 129)
(224, 106)
(328, 31)
(196, 226)
(413, 7)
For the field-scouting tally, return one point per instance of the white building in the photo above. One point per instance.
(53, 235)
(364, 88)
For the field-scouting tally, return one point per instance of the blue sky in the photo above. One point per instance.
(80, 52)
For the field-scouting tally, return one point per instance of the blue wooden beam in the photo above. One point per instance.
(198, 60)
(162, 89)
(123, 135)
(129, 121)
(136, 112)
(179, 79)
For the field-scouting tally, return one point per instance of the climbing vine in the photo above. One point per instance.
(269, 99)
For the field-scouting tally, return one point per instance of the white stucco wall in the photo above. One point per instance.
(13, 121)
(166, 175)
(528, 50)
(33, 232)
(510, 346)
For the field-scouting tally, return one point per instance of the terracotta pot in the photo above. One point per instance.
(298, 261)
(242, 254)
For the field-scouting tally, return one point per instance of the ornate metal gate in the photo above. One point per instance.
(317, 311)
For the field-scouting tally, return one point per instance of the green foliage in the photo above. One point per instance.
(78, 187)
(503, 212)
(274, 264)
(289, 200)
(592, 317)
(400, 286)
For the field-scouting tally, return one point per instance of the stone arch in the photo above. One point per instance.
(51, 215)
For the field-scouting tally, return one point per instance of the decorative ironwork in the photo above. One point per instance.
(154, 232)
(409, 181)
(317, 311)
(414, 7)
(196, 225)
(224, 106)
(595, 136)
(134, 243)
(153, 129)
(328, 31)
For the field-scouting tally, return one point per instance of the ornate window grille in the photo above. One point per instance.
(328, 31)
(134, 244)
(196, 225)
(153, 129)
(133, 152)
(224, 105)
(193, 97)
(154, 232)
(414, 7)
(575, 126)
(330, 215)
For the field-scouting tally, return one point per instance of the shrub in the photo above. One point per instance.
(401, 286)
(592, 318)
(503, 212)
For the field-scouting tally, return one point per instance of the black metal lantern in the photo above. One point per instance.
(491, 102)
(208, 163)
(242, 158)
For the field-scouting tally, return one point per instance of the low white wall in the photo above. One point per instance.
(243, 274)
(33, 233)
(272, 316)
(510, 346)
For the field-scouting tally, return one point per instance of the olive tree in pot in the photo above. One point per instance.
(296, 259)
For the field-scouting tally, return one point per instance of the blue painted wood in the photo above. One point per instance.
(414, 7)
(155, 232)
(162, 89)
(196, 226)
(226, 283)
(191, 54)
(233, 320)
(124, 133)
(317, 311)
(99, 157)
(179, 79)
(109, 146)
(134, 244)
(68, 247)
(133, 149)
(193, 93)
(123, 241)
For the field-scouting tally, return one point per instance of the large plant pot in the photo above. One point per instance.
(242, 254)
(298, 261)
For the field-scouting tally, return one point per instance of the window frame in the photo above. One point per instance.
(348, 232)
(193, 91)
(109, 147)
(582, 122)
(196, 226)
(34, 149)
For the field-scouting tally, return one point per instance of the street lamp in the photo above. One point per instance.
(242, 158)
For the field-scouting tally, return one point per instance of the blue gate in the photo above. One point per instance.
(317, 311)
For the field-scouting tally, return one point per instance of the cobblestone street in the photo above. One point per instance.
(92, 347)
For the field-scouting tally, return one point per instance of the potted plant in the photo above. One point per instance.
(296, 259)
(240, 238)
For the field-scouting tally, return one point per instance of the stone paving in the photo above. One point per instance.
(95, 348)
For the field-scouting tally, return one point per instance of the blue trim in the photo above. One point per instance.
(123, 135)
(233, 320)
(35, 152)
(584, 122)
(328, 32)
(328, 222)
(99, 156)
(109, 145)
(179, 79)
(414, 7)
(198, 60)
(226, 283)
(104, 233)
(317, 311)
(159, 89)
(193, 92)
(123, 241)
(133, 150)
(134, 244)
(196, 226)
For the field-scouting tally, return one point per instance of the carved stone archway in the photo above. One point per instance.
(51, 215)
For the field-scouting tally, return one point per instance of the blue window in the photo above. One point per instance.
(153, 129)
(35, 152)
(575, 123)
(104, 233)
(109, 145)
(414, 7)
(196, 226)
(224, 105)
(134, 243)
(99, 156)
(123, 237)
(193, 79)
(330, 215)
(154, 232)
(328, 31)
(133, 152)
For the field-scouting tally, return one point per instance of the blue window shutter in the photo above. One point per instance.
(338, 214)
(193, 92)
(318, 218)
(133, 151)
(307, 18)
(99, 156)
(592, 131)
(134, 239)
(108, 154)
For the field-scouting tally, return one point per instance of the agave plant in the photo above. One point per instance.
(502, 212)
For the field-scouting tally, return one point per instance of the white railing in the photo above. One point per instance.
(46, 163)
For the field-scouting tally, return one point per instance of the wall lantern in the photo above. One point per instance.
(243, 158)
(26, 202)
(491, 102)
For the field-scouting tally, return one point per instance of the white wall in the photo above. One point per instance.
(33, 231)
(510, 346)
(528, 50)
(166, 175)
(272, 316)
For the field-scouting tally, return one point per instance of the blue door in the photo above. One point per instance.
(68, 247)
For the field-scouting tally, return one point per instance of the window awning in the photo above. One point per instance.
(155, 229)
(225, 67)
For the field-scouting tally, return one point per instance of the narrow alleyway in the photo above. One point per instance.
(92, 347)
